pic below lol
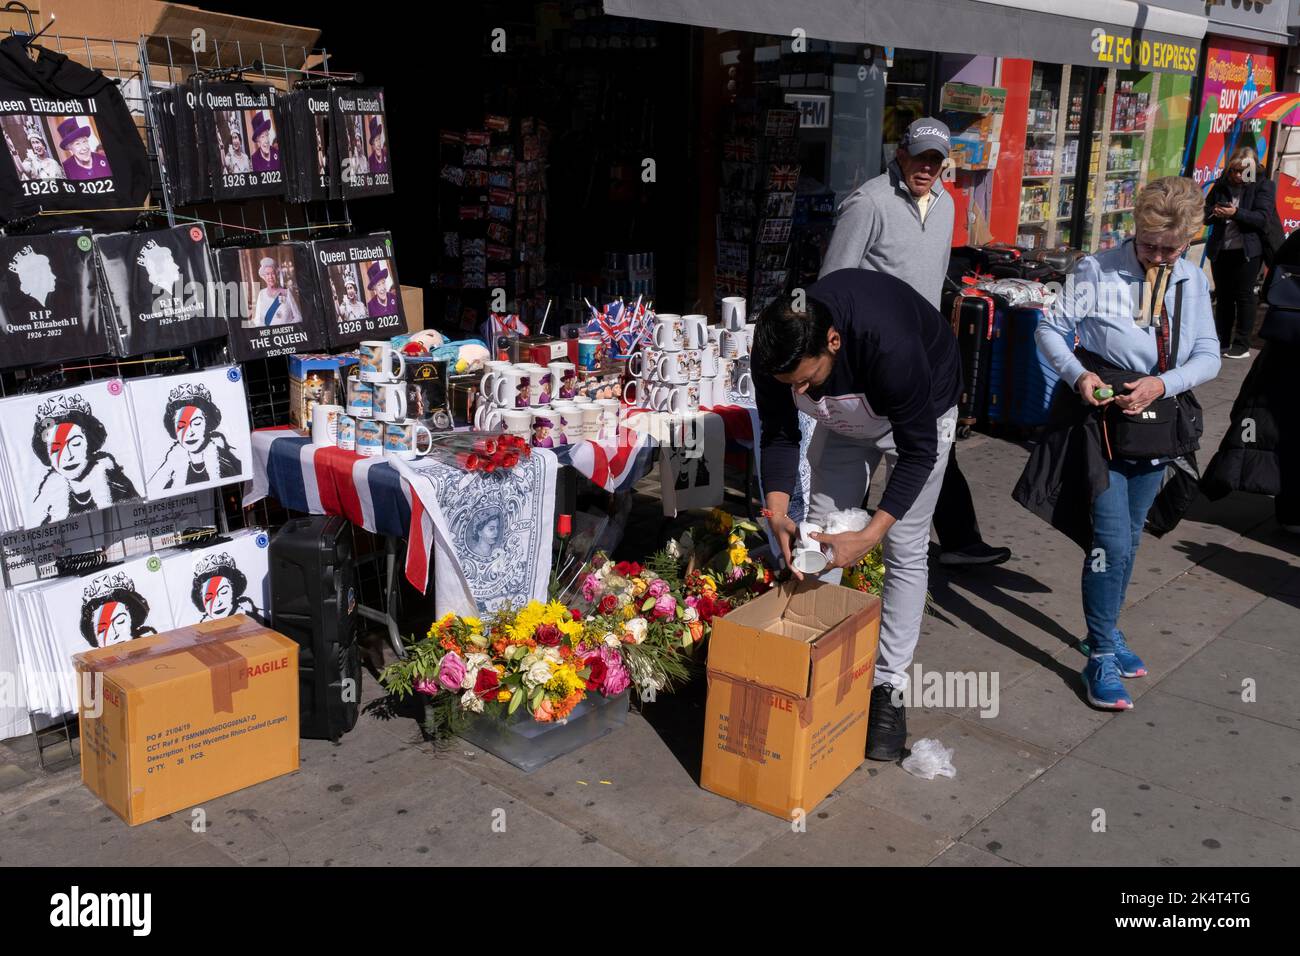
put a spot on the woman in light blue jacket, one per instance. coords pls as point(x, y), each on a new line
point(1102, 304)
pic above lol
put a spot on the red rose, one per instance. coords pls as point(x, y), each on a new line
point(608, 604)
point(598, 668)
point(487, 681)
point(575, 614)
point(628, 569)
point(548, 635)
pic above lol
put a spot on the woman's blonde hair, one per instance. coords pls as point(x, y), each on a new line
point(1243, 152)
point(1171, 204)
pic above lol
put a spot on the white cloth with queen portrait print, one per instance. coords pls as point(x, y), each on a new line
point(492, 534)
point(68, 452)
point(66, 616)
point(219, 580)
point(192, 430)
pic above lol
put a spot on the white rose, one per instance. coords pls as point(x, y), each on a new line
point(552, 654)
point(473, 664)
point(538, 673)
point(637, 628)
point(674, 550)
point(472, 702)
point(610, 639)
point(690, 614)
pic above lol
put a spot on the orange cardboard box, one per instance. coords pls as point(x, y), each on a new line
point(170, 721)
point(789, 688)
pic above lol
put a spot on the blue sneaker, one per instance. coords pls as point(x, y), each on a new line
point(1130, 665)
point(1101, 681)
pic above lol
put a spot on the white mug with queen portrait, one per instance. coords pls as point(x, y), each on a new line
point(380, 362)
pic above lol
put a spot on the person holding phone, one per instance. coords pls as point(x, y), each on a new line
point(1241, 211)
point(1116, 327)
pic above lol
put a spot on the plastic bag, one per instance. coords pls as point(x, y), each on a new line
point(929, 759)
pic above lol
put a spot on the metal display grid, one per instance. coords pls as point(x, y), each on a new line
point(156, 61)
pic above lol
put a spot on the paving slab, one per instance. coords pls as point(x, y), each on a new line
point(964, 855)
point(1272, 623)
point(1209, 752)
point(1219, 673)
point(1051, 823)
point(848, 832)
point(990, 769)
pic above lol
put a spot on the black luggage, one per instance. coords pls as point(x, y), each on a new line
point(313, 601)
point(975, 321)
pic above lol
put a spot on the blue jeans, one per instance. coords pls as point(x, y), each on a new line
point(1118, 515)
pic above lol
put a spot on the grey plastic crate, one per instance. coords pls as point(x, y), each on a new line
point(527, 744)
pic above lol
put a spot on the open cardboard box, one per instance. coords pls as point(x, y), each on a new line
point(790, 677)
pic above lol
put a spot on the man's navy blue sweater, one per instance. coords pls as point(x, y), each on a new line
point(898, 353)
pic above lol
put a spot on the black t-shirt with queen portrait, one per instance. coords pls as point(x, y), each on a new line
point(275, 308)
point(71, 142)
point(242, 128)
point(158, 288)
point(360, 127)
point(359, 290)
point(49, 311)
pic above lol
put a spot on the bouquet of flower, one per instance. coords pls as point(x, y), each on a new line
point(646, 599)
point(721, 553)
point(868, 573)
point(543, 659)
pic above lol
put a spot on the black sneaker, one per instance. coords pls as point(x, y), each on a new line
point(1237, 352)
point(974, 554)
point(886, 725)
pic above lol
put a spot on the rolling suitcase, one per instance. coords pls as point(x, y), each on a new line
point(975, 322)
point(313, 601)
point(1028, 379)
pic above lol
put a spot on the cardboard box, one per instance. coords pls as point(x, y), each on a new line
point(316, 380)
point(413, 307)
point(790, 678)
point(172, 720)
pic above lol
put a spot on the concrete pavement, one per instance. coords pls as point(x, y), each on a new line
point(1197, 773)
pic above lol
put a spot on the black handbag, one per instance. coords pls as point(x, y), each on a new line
point(1170, 427)
point(1282, 320)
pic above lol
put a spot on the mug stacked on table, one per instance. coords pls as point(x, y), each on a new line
point(377, 407)
point(686, 364)
point(543, 404)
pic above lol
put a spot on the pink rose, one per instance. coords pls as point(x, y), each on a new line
point(426, 685)
point(590, 588)
point(658, 587)
point(617, 678)
point(665, 606)
point(451, 672)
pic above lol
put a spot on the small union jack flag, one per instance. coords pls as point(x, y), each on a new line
point(782, 178)
point(740, 150)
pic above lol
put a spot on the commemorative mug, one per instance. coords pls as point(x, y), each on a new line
point(568, 422)
point(709, 356)
point(361, 398)
point(347, 433)
point(673, 368)
point(517, 421)
point(667, 332)
point(325, 424)
point(390, 402)
point(377, 362)
point(589, 354)
point(407, 439)
point(642, 362)
point(542, 427)
point(484, 420)
point(370, 438)
point(591, 416)
point(694, 363)
point(539, 383)
point(733, 312)
point(639, 387)
point(695, 331)
point(508, 387)
point(564, 380)
point(733, 343)
point(708, 391)
point(668, 398)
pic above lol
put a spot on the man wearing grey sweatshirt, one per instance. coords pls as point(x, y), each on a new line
point(901, 223)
